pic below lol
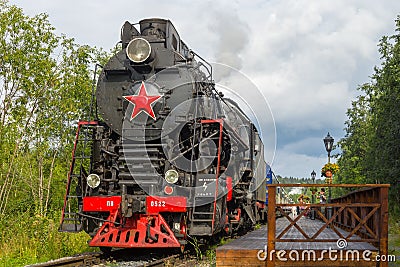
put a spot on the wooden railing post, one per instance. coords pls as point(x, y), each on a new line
point(271, 225)
point(384, 222)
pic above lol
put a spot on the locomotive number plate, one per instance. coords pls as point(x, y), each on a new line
point(101, 203)
point(155, 203)
point(163, 204)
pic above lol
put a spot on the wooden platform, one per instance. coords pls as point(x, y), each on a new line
point(244, 250)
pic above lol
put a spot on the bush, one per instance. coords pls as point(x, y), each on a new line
point(27, 239)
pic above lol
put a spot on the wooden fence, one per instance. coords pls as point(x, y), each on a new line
point(362, 213)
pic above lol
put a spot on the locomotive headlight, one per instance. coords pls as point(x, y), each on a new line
point(171, 176)
point(93, 180)
point(138, 50)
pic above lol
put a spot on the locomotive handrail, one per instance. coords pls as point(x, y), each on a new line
point(92, 99)
point(202, 59)
point(365, 208)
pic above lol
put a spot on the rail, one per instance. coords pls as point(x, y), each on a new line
point(362, 213)
point(88, 259)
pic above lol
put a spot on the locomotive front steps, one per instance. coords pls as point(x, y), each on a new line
point(70, 227)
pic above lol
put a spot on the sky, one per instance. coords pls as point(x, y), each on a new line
point(306, 57)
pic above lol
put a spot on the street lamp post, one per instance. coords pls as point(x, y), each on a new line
point(313, 174)
point(328, 141)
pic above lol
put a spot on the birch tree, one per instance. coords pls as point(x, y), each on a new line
point(45, 88)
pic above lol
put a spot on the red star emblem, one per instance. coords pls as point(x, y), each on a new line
point(142, 102)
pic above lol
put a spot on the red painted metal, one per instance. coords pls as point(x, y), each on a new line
point(71, 167)
point(168, 190)
point(237, 216)
point(229, 188)
point(138, 231)
point(227, 224)
point(154, 205)
point(212, 121)
point(100, 204)
point(260, 205)
point(87, 123)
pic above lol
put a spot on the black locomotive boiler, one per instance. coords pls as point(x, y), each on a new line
point(165, 156)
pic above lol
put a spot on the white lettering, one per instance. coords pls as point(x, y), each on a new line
point(155, 203)
point(281, 255)
point(291, 255)
point(331, 257)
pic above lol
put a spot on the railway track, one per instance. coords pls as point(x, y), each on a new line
point(155, 260)
point(87, 259)
point(100, 260)
point(130, 258)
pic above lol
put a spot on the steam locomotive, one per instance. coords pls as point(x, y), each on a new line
point(165, 156)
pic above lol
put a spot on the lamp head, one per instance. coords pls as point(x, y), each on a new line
point(328, 141)
point(313, 174)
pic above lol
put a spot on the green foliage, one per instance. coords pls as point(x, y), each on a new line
point(332, 167)
point(211, 256)
point(197, 247)
point(45, 88)
point(371, 146)
point(210, 253)
point(26, 239)
point(313, 189)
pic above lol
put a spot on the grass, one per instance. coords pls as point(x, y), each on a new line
point(257, 226)
point(210, 254)
point(28, 240)
point(394, 236)
point(206, 257)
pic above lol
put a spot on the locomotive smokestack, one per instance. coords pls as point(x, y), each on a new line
point(153, 26)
